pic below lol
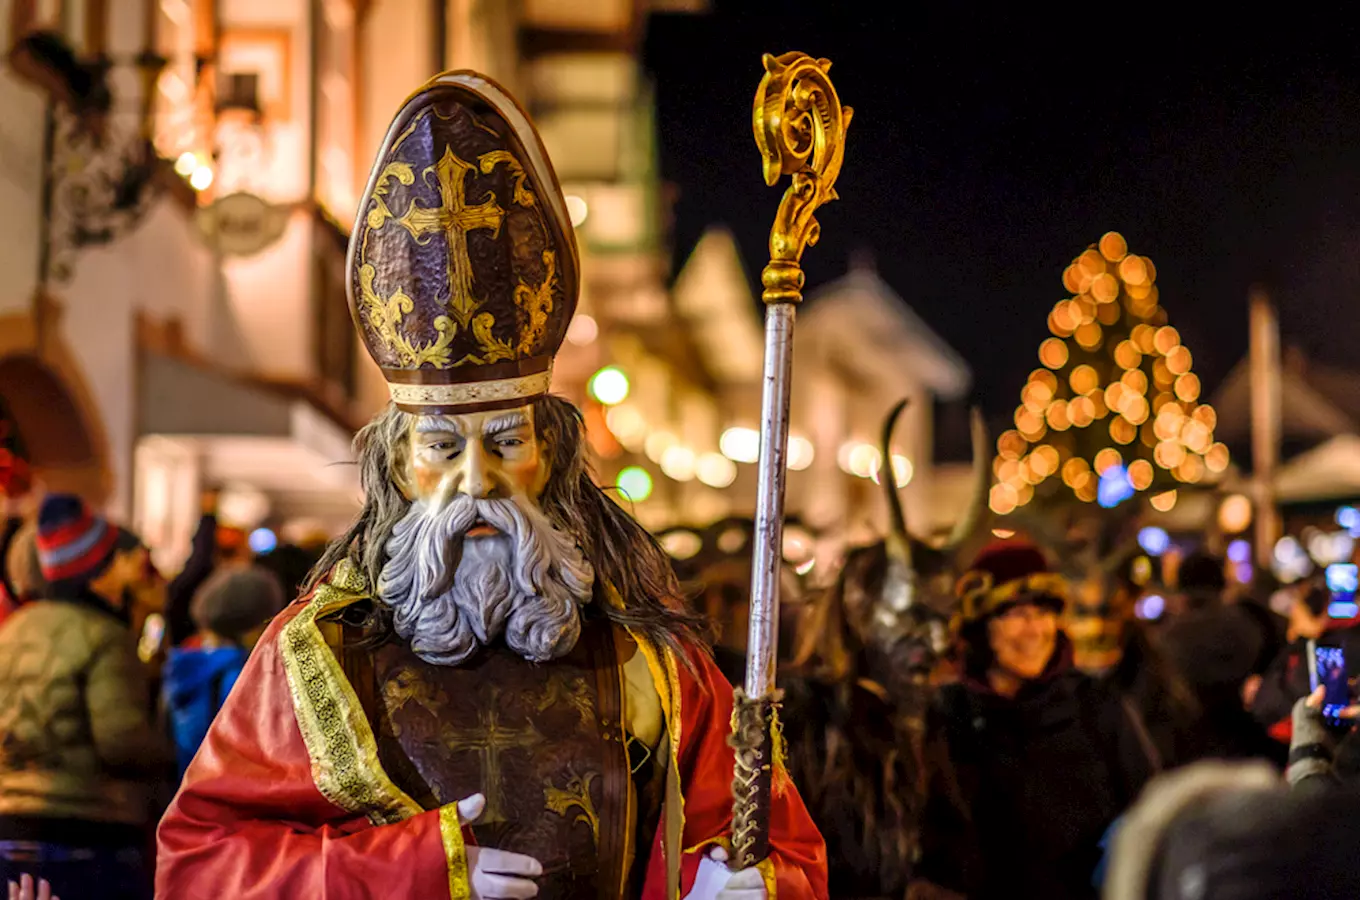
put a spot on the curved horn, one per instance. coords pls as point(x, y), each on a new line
point(899, 541)
point(975, 516)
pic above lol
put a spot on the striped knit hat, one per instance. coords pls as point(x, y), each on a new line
point(74, 544)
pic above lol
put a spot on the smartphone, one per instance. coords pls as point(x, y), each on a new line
point(1342, 581)
point(1329, 671)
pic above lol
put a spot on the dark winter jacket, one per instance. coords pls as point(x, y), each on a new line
point(1022, 789)
point(197, 681)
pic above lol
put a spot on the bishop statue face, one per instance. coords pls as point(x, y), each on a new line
point(475, 559)
point(481, 455)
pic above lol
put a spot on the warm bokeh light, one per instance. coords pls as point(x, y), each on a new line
point(1053, 353)
point(801, 452)
point(583, 330)
point(1089, 336)
point(1216, 459)
point(628, 425)
point(1106, 458)
point(577, 209)
point(1083, 379)
point(678, 462)
point(715, 470)
point(1234, 514)
point(201, 178)
point(1113, 246)
point(740, 445)
point(1140, 474)
point(1163, 502)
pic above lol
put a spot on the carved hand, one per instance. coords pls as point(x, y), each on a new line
point(715, 881)
point(496, 874)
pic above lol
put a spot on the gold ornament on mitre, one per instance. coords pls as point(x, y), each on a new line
point(462, 266)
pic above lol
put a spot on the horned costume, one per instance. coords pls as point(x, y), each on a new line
point(579, 702)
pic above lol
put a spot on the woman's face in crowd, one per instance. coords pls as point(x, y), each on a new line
point(1023, 640)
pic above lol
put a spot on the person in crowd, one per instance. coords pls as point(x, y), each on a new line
point(231, 610)
point(214, 544)
point(290, 563)
point(1287, 680)
point(77, 745)
point(1216, 647)
point(1029, 760)
point(1220, 830)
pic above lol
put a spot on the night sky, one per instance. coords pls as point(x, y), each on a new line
point(987, 151)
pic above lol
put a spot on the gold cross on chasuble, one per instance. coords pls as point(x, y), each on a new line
point(488, 739)
point(455, 217)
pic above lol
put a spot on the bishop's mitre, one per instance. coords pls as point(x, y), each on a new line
point(462, 265)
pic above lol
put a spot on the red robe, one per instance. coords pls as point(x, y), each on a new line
point(286, 797)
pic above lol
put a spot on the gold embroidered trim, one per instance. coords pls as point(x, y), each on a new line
point(340, 742)
point(520, 387)
point(451, 833)
point(666, 678)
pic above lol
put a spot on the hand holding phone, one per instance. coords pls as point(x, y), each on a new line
point(1328, 671)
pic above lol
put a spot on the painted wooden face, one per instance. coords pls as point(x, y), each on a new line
point(484, 455)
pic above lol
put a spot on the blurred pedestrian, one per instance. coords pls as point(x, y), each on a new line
point(1288, 678)
point(231, 610)
point(1216, 647)
point(1029, 759)
point(1233, 831)
point(77, 745)
point(214, 544)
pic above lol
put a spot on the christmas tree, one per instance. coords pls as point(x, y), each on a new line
point(1113, 411)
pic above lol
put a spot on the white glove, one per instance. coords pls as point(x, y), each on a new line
point(714, 881)
point(496, 874)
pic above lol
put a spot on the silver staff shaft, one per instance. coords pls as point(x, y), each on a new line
point(762, 648)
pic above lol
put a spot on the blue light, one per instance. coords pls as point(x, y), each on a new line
point(1114, 487)
point(262, 540)
point(1154, 540)
point(1150, 607)
point(1239, 551)
point(1348, 517)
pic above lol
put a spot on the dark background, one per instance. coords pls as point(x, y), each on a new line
point(987, 150)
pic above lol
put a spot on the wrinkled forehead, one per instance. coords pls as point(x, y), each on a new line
point(476, 425)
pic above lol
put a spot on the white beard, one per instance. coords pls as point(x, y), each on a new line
point(451, 595)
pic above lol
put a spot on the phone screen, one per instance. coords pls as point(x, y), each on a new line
point(1330, 663)
point(1342, 581)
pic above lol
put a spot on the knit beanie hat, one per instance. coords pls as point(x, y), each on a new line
point(75, 546)
point(1006, 573)
point(236, 599)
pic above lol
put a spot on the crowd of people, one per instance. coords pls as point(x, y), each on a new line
point(110, 676)
point(1158, 774)
point(1017, 770)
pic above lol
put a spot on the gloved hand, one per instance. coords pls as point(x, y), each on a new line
point(715, 881)
point(496, 874)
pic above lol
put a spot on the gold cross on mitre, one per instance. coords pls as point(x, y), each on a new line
point(455, 217)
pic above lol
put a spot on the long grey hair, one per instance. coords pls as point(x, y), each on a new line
point(622, 553)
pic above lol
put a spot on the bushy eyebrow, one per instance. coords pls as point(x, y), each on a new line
point(437, 425)
point(507, 422)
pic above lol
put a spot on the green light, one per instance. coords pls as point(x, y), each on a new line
point(635, 484)
point(609, 385)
